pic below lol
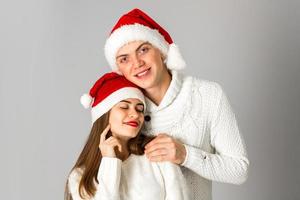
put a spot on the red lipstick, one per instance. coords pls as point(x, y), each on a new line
point(132, 123)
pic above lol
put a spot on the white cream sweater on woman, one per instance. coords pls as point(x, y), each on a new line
point(197, 112)
point(134, 179)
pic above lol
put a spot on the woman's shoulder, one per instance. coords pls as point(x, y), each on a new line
point(75, 175)
point(133, 158)
point(74, 180)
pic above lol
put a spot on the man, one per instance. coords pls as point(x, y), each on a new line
point(192, 118)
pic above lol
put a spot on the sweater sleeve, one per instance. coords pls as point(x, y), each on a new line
point(174, 182)
point(109, 174)
point(229, 163)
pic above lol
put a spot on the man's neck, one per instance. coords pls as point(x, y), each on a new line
point(156, 94)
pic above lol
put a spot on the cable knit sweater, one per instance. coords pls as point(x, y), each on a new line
point(134, 178)
point(198, 113)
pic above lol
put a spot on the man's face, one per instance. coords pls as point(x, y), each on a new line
point(142, 64)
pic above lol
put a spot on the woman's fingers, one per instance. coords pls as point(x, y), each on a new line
point(114, 142)
point(110, 140)
point(107, 145)
point(104, 133)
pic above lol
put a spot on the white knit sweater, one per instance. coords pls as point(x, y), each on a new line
point(198, 113)
point(135, 178)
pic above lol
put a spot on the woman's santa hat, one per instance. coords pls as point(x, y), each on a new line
point(137, 25)
point(109, 90)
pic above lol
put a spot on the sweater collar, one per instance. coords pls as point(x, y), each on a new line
point(170, 95)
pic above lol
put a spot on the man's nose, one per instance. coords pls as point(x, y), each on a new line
point(137, 62)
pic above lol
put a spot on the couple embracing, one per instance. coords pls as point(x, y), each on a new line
point(156, 134)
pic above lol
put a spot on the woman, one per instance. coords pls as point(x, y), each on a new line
point(112, 164)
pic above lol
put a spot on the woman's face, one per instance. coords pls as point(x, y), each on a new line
point(126, 118)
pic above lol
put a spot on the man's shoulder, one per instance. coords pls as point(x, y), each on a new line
point(203, 85)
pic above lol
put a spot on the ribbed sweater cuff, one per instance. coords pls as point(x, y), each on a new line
point(194, 157)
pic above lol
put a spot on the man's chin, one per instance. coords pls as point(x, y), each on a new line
point(141, 83)
point(144, 85)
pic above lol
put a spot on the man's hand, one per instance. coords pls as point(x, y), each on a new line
point(165, 148)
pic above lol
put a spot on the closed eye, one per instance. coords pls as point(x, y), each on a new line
point(139, 108)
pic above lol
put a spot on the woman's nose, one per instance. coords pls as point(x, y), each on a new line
point(133, 114)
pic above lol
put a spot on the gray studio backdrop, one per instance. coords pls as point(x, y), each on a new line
point(52, 51)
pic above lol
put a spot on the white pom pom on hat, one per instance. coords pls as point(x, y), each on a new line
point(86, 101)
point(174, 59)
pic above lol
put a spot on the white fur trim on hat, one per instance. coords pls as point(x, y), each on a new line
point(106, 104)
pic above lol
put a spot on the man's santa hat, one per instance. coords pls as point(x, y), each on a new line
point(137, 25)
point(109, 90)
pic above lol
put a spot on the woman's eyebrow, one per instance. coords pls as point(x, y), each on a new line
point(138, 104)
point(125, 101)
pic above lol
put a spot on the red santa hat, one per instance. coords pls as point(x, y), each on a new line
point(137, 25)
point(109, 90)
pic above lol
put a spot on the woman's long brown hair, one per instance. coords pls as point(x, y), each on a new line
point(90, 158)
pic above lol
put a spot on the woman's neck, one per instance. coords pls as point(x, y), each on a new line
point(124, 153)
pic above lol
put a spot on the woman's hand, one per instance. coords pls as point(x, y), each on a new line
point(107, 146)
